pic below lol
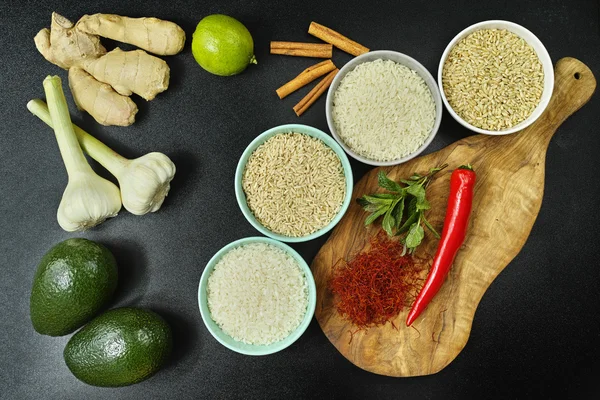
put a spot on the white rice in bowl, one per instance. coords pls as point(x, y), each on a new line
point(383, 110)
point(257, 294)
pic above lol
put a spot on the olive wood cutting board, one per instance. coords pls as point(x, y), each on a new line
point(507, 198)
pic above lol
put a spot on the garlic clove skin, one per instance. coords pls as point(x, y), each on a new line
point(145, 183)
point(87, 201)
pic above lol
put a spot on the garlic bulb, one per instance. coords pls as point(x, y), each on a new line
point(88, 199)
point(144, 181)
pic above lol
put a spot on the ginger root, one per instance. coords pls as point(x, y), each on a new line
point(151, 34)
point(65, 45)
point(100, 81)
point(100, 100)
point(131, 72)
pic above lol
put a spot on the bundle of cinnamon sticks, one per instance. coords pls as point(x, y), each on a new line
point(317, 50)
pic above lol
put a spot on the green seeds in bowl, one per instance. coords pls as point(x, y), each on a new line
point(493, 79)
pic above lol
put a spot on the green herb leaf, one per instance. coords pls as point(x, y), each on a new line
point(362, 202)
point(387, 183)
point(418, 191)
point(423, 204)
point(394, 209)
point(412, 206)
point(430, 227)
point(376, 214)
point(412, 218)
point(384, 196)
point(398, 212)
point(388, 223)
point(378, 200)
point(415, 235)
point(373, 207)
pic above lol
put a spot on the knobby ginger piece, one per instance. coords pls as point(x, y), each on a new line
point(100, 100)
point(131, 72)
point(66, 46)
point(152, 34)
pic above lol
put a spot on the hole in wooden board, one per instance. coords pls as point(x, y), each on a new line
point(576, 75)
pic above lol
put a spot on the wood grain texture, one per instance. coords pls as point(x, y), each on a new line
point(508, 196)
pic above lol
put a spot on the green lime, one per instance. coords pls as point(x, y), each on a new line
point(222, 45)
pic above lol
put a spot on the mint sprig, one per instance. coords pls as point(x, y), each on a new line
point(402, 208)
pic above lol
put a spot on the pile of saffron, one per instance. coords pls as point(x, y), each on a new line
point(376, 285)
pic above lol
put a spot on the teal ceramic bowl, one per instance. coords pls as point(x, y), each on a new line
point(248, 349)
point(263, 137)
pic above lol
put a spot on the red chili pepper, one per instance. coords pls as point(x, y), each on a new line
point(460, 200)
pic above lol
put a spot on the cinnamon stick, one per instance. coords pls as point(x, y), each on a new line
point(315, 93)
point(336, 39)
point(307, 76)
point(318, 50)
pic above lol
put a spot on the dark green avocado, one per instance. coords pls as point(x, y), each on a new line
point(74, 281)
point(120, 347)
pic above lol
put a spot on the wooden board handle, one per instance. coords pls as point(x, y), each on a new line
point(574, 85)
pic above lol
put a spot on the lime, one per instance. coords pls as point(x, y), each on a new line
point(222, 45)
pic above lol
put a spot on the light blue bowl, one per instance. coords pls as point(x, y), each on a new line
point(263, 137)
point(228, 341)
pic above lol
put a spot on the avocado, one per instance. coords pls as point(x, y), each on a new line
point(74, 281)
point(121, 347)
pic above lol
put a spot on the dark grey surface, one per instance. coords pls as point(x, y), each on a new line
point(536, 331)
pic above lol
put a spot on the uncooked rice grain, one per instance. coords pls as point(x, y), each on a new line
point(493, 79)
point(383, 110)
point(294, 184)
point(257, 294)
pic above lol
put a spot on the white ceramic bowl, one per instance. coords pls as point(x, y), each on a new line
point(542, 53)
point(400, 59)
